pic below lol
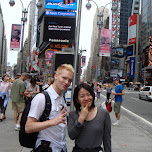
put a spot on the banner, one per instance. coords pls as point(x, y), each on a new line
point(132, 29)
point(132, 67)
point(105, 44)
point(83, 61)
point(15, 37)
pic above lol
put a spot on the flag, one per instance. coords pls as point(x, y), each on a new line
point(68, 1)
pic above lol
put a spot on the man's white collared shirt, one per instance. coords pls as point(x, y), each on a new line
point(54, 134)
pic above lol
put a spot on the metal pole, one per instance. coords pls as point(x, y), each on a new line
point(76, 51)
point(137, 56)
point(21, 70)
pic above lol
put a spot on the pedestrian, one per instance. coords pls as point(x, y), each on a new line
point(108, 91)
point(39, 81)
point(51, 132)
point(119, 91)
point(18, 75)
point(88, 125)
point(50, 81)
point(17, 97)
point(98, 90)
point(5, 85)
point(31, 90)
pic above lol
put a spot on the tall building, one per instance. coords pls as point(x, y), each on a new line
point(94, 44)
point(119, 35)
point(146, 31)
point(120, 21)
point(3, 46)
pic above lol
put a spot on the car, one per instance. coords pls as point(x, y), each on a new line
point(68, 95)
point(146, 93)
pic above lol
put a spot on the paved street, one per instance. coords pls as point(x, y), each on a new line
point(128, 137)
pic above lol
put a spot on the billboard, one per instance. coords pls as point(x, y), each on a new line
point(117, 52)
point(48, 54)
point(59, 5)
point(130, 50)
point(15, 37)
point(59, 29)
point(132, 29)
point(132, 67)
point(105, 44)
point(115, 62)
point(116, 73)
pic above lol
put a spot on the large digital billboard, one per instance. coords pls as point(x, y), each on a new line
point(59, 29)
point(117, 52)
point(59, 5)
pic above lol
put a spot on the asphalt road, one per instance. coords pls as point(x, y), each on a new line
point(140, 107)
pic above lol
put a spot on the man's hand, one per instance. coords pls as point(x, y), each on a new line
point(61, 117)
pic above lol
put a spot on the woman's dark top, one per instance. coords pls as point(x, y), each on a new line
point(91, 133)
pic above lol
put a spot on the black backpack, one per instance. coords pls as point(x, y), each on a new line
point(29, 140)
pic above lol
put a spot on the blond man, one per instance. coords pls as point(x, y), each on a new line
point(52, 131)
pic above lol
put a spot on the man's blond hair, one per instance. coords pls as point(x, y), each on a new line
point(68, 67)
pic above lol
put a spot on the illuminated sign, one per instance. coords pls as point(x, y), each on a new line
point(59, 29)
point(117, 52)
point(59, 4)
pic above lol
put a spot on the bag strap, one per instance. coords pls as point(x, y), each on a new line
point(48, 107)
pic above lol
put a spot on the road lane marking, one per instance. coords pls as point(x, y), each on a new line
point(135, 98)
point(149, 123)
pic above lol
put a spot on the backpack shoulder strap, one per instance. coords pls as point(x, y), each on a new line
point(48, 107)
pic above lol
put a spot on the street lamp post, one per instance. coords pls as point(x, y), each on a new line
point(24, 20)
point(99, 24)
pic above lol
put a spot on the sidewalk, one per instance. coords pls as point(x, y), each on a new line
point(127, 137)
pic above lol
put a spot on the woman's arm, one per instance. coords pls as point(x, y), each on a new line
point(74, 127)
point(107, 133)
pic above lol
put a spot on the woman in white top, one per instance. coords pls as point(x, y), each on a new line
point(31, 90)
point(5, 85)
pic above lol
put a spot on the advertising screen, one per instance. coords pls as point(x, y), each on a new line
point(117, 52)
point(59, 5)
point(130, 50)
point(115, 62)
point(59, 29)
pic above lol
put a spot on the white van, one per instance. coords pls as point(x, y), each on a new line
point(146, 93)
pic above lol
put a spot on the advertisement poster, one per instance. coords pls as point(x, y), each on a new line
point(48, 54)
point(132, 67)
point(105, 44)
point(83, 61)
point(15, 37)
point(132, 29)
point(61, 4)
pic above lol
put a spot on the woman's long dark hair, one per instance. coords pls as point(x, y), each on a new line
point(75, 96)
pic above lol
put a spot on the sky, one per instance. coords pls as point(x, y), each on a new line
point(12, 15)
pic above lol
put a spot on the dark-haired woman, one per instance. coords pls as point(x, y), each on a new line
point(5, 85)
point(31, 90)
point(88, 125)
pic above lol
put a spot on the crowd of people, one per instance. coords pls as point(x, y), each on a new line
point(89, 126)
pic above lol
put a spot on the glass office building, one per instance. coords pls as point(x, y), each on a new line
point(120, 21)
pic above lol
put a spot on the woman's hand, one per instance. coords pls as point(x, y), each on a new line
point(84, 113)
